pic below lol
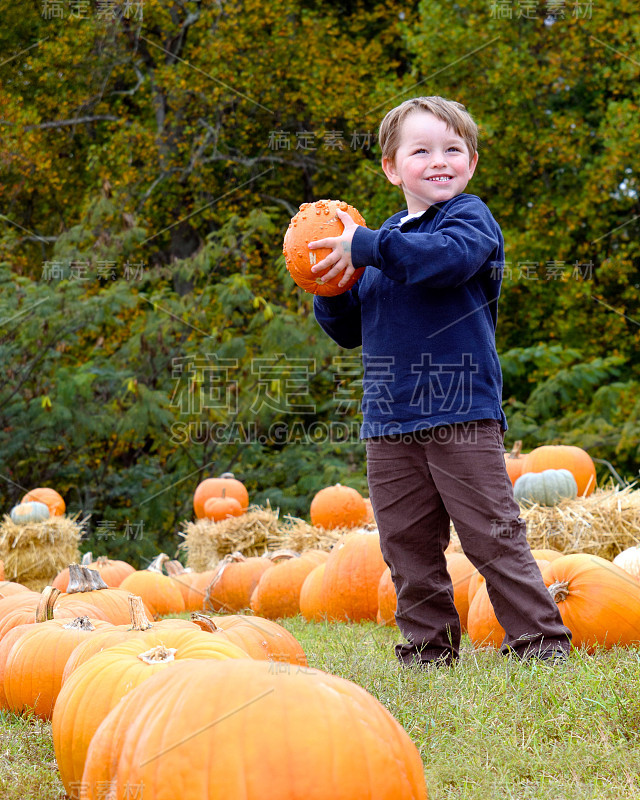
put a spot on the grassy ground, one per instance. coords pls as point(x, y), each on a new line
point(489, 727)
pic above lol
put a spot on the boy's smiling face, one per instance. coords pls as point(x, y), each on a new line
point(432, 163)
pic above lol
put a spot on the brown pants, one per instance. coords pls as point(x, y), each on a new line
point(418, 483)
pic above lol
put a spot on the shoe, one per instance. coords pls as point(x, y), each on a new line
point(426, 663)
point(556, 655)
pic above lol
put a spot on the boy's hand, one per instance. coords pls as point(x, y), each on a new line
point(340, 257)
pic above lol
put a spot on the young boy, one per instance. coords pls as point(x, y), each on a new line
point(425, 313)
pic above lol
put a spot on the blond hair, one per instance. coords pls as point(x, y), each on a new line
point(454, 114)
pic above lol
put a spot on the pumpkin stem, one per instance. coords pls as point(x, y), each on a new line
point(559, 590)
point(79, 624)
point(83, 579)
point(102, 561)
point(517, 447)
point(44, 610)
point(87, 559)
point(204, 622)
point(158, 655)
point(139, 621)
point(283, 555)
point(158, 561)
point(173, 568)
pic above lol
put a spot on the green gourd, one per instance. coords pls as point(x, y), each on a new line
point(547, 488)
point(24, 513)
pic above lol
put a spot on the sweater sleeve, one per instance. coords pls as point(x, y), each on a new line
point(340, 317)
point(459, 247)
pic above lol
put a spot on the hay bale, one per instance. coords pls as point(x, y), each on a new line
point(255, 533)
point(34, 554)
point(603, 524)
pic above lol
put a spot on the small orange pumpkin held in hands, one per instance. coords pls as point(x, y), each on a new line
point(312, 222)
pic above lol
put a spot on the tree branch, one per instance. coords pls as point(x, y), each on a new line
point(65, 123)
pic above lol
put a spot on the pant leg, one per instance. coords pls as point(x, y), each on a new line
point(467, 464)
point(414, 532)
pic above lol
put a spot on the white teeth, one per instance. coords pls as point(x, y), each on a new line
point(439, 179)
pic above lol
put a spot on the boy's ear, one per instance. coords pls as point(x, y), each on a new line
point(390, 171)
point(472, 165)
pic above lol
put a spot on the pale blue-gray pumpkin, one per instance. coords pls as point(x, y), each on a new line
point(24, 513)
point(547, 488)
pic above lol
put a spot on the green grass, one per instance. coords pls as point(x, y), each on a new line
point(488, 727)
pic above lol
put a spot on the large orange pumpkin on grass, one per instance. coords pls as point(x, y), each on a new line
point(352, 576)
point(560, 456)
point(224, 486)
point(49, 497)
point(599, 602)
point(96, 686)
point(312, 222)
point(291, 735)
point(338, 506)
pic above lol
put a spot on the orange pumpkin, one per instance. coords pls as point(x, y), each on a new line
point(311, 597)
point(338, 507)
point(33, 667)
point(387, 599)
point(119, 634)
point(160, 593)
point(2, 575)
point(461, 571)
point(97, 685)
point(86, 585)
point(277, 593)
point(39, 608)
point(233, 581)
point(219, 508)
point(598, 601)
point(514, 461)
point(312, 222)
point(224, 486)
point(482, 624)
point(49, 497)
point(328, 738)
point(371, 519)
point(9, 588)
point(575, 459)
point(112, 572)
point(261, 638)
point(351, 577)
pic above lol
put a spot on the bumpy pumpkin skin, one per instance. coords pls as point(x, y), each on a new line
point(312, 222)
point(547, 488)
point(328, 738)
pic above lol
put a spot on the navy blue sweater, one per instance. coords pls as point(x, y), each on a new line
point(425, 312)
